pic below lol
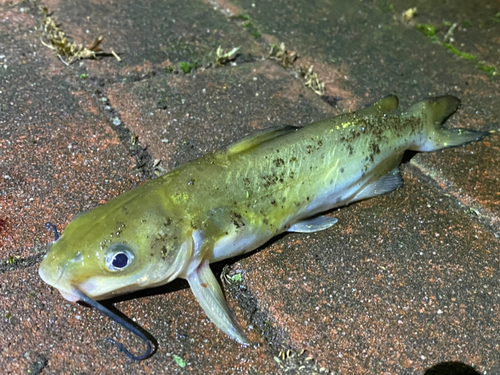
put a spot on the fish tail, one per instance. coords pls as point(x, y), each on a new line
point(433, 113)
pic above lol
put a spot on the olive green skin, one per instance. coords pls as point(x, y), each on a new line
point(232, 201)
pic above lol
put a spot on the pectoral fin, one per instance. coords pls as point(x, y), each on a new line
point(391, 181)
point(209, 294)
point(313, 225)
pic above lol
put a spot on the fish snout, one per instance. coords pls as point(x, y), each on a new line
point(52, 272)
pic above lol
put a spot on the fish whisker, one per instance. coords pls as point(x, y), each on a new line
point(127, 325)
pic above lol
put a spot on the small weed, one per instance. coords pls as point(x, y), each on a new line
point(236, 278)
point(409, 14)
point(490, 69)
point(224, 57)
point(428, 30)
point(463, 55)
point(180, 362)
point(186, 67)
point(285, 58)
point(67, 51)
point(312, 81)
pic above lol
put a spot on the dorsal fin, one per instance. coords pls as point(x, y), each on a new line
point(384, 106)
point(259, 138)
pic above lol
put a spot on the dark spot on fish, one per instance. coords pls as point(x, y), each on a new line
point(309, 149)
point(168, 222)
point(125, 210)
point(143, 221)
point(331, 181)
point(191, 182)
point(270, 180)
point(375, 149)
point(293, 160)
point(279, 162)
point(151, 255)
point(307, 199)
point(320, 143)
point(341, 170)
point(265, 221)
point(278, 151)
point(273, 202)
point(283, 200)
point(246, 180)
point(204, 285)
point(236, 219)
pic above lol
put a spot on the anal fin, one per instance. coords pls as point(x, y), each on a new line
point(209, 294)
point(313, 225)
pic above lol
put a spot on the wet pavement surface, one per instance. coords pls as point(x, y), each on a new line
point(405, 283)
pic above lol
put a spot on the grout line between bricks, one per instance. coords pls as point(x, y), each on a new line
point(480, 214)
point(19, 264)
point(286, 357)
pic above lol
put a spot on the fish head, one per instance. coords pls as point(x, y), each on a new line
point(120, 247)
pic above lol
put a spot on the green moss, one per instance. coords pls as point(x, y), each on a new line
point(463, 55)
point(84, 76)
point(490, 69)
point(186, 67)
point(256, 34)
point(466, 23)
point(428, 30)
point(244, 17)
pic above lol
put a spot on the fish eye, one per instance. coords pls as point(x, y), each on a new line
point(118, 257)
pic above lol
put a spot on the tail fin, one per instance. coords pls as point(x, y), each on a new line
point(433, 113)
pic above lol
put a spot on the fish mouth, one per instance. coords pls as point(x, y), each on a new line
point(48, 278)
point(54, 278)
point(70, 296)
